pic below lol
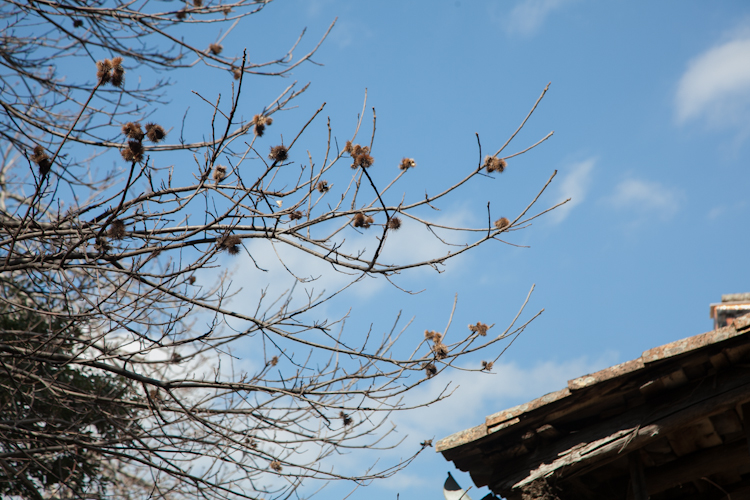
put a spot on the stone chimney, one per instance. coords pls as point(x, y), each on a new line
point(733, 306)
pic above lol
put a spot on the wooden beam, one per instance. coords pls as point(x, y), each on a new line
point(606, 441)
point(741, 491)
point(580, 489)
point(637, 476)
point(699, 464)
point(746, 422)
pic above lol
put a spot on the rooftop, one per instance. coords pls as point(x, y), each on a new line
point(674, 402)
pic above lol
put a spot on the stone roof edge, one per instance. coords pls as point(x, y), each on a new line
point(497, 420)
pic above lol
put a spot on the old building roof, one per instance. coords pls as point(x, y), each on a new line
point(674, 412)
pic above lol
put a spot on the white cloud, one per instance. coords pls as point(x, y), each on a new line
point(410, 244)
point(408, 478)
point(476, 395)
point(716, 212)
point(726, 210)
point(529, 15)
point(415, 243)
point(483, 394)
point(646, 198)
point(574, 185)
point(716, 85)
point(316, 7)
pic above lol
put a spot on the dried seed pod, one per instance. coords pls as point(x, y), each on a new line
point(133, 152)
point(118, 72)
point(394, 223)
point(215, 48)
point(322, 186)
point(362, 220)
point(136, 147)
point(479, 328)
point(296, 215)
point(279, 153)
point(260, 123)
point(494, 164)
point(430, 370)
point(155, 133)
point(440, 350)
point(45, 165)
point(230, 243)
point(502, 223)
point(346, 418)
point(407, 163)
point(220, 172)
point(116, 230)
point(103, 71)
point(101, 245)
point(360, 155)
point(41, 158)
point(433, 335)
point(276, 465)
point(133, 131)
point(363, 160)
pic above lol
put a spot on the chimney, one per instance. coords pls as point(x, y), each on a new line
point(733, 306)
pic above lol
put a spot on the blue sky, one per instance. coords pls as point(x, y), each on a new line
point(649, 104)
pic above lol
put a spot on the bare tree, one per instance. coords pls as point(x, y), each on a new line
point(117, 330)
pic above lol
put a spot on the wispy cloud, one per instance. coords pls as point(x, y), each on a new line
point(528, 15)
point(283, 266)
point(508, 385)
point(575, 185)
point(716, 85)
point(317, 7)
point(646, 198)
point(475, 395)
point(726, 210)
